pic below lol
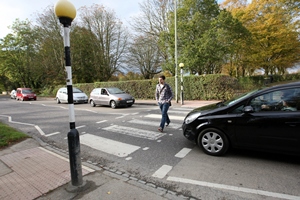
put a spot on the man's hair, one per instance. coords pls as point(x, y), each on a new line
point(163, 77)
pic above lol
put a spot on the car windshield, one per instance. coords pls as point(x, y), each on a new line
point(76, 90)
point(115, 91)
point(26, 91)
point(238, 98)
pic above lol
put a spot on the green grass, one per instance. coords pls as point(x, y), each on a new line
point(9, 135)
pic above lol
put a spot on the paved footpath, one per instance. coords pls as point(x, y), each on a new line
point(34, 170)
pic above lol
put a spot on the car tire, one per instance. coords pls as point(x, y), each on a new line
point(58, 101)
point(113, 104)
point(92, 103)
point(213, 142)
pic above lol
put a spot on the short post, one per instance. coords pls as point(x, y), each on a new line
point(181, 65)
point(66, 12)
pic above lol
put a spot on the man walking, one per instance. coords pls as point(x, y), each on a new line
point(163, 96)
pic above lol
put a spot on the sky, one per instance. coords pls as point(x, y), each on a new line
point(26, 9)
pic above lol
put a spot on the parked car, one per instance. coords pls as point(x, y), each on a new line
point(78, 96)
point(258, 120)
point(25, 94)
point(113, 97)
point(13, 94)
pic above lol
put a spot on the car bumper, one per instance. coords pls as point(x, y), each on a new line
point(80, 101)
point(125, 102)
point(188, 132)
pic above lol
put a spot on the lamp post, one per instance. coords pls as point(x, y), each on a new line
point(176, 68)
point(66, 12)
point(181, 65)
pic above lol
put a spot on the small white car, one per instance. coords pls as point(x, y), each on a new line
point(78, 96)
point(13, 94)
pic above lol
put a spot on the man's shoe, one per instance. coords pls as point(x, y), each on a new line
point(168, 124)
point(160, 129)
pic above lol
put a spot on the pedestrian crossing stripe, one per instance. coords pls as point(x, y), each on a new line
point(152, 123)
point(151, 135)
point(172, 117)
point(109, 146)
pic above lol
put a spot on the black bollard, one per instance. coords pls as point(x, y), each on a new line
point(74, 157)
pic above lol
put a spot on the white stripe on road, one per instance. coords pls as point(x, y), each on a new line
point(151, 135)
point(162, 171)
point(55, 133)
point(101, 121)
point(233, 188)
point(108, 146)
point(78, 127)
point(152, 123)
point(172, 117)
point(35, 126)
point(178, 111)
point(39, 130)
point(183, 153)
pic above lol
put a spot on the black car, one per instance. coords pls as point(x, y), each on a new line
point(267, 119)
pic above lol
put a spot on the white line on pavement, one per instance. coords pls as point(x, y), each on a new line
point(55, 133)
point(108, 146)
point(233, 188)
point(157, 116)
point(152, 123)
point(151, 135)
point(162, 171)
point(183, 153)
point(101, 121)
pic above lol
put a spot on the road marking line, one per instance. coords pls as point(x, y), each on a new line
point(108, 146)
point(151, 135)
point(39, 130)
point(35, 126)
point(78, 127)
point(101, 121)
point(152, 123)
point(162, 171)
point(183, 153)
point(233, 188)
point(55, 133)
point(172, 117)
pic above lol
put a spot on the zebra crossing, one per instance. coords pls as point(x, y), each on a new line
point(129, 128)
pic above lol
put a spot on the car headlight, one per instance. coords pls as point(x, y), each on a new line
point(189, 119)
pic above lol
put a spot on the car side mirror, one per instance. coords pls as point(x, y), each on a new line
point(248, 109)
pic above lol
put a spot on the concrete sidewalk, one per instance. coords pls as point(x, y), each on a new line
point(34, 170)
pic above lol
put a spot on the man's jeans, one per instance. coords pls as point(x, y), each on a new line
point(164, 112)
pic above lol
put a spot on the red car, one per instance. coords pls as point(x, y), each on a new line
point(25, 94)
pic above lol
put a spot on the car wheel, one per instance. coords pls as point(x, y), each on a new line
point(113, 104)
point(57, 100)
point(213, 142)
point(92, 103)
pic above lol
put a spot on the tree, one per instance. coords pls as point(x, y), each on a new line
point(152, 22)
point(145, 55)
point(110, 40)
point(206, 36)
point(274, 28)
point(19, 55)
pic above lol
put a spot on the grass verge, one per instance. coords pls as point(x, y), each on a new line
point(9, 135)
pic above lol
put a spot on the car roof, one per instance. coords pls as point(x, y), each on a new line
point(281, 86)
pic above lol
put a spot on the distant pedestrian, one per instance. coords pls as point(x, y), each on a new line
point(163, 96)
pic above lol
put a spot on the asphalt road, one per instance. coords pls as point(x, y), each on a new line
point(127, 139)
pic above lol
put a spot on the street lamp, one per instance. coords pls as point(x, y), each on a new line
point(181, 65)
point(66, 12)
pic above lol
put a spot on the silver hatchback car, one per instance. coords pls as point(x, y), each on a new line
point(78, 96)
point(113, 97)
